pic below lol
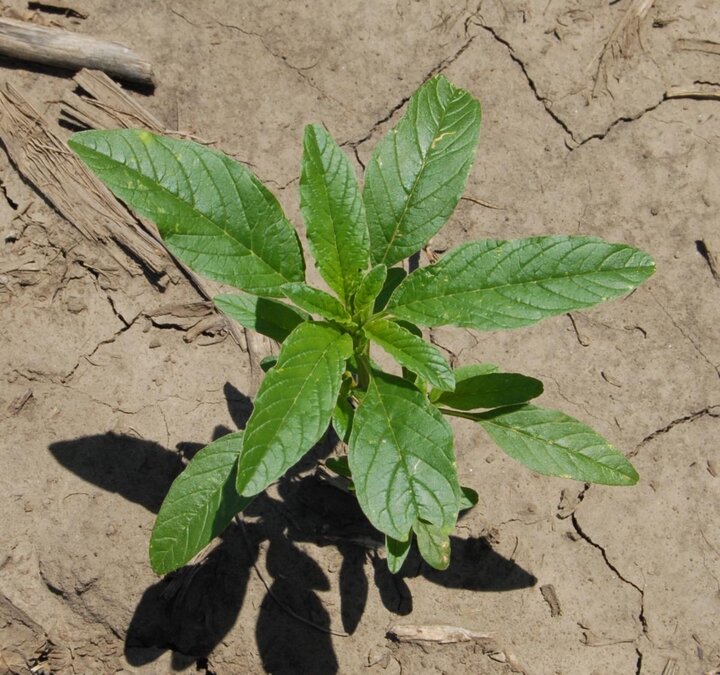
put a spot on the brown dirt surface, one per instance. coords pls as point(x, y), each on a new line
point(599, 119)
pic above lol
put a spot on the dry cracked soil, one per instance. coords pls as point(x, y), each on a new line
point(600, 118)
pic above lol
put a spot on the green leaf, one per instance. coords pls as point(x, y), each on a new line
point(401, 458)
point(269, 317)
point(367, 292)
point(468, 498)
point(268, 362)
point(342, 416)
point(466, 372)
point(397, 552)
point(339, 465)
point(315, 301)
point(552, 443)
point(199, 506)
point(212, 213)
point(395, 275)
point(488, 285)
point(409, 326)
point(493, 390)
point(334, 213)
point(293, 405)
point(417, 173)
point(433, 544)
point(411, 352)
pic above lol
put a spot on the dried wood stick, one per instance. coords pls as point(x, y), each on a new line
point(64, 49)
point(108, 106)
point(701, 93)
point(441, 634)
point(693, 45)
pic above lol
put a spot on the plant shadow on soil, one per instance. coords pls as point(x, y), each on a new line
point(191, 610)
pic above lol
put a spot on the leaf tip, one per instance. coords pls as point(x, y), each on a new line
point(632, 476)
point(158, 562)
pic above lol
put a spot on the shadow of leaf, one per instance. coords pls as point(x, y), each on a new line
point(139, 470)
point(190, 611)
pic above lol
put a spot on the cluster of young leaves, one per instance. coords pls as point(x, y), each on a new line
point(218, 218)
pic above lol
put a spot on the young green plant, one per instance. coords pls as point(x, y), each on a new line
point(219, 219)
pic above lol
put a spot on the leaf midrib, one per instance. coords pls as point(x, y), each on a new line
point(320, 358)
point(192, 207)
point(477, 290)
point(425, 160)
point(432, 366)
point(403, 461)
point(544, 441)
point(411, 479)
point(331, 213)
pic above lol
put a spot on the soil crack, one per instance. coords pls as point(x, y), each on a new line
point(86, 357)
point(299, 70)
point(476, 20)
point(11, 202)
point(547, 103)
point(377, 124)
point(626, 119)
point(710, 411)
point(96, 274)
point(641, 614)
point(435, 70)
point(687, 336)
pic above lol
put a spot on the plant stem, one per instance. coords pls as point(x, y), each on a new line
point(363, 362)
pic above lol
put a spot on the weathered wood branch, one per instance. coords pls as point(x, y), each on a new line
point(107, 106)
point(64, 49)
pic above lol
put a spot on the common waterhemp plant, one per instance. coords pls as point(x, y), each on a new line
point(220, 220)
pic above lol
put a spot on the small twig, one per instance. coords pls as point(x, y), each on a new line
point(620, 40)
point(438, 633)
point(442, 634)
point(482, 202)
point(585, 342)
point(19, 403)
point(710, 94)
point(609, 380)
point(281, 604)
point(693, 45)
